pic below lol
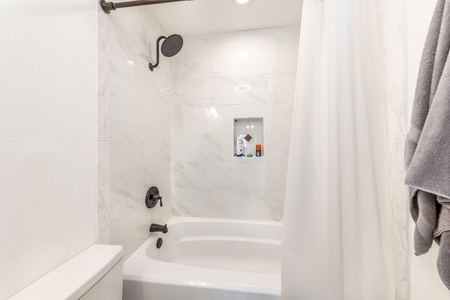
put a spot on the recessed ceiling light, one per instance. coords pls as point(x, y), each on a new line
point(241, 2)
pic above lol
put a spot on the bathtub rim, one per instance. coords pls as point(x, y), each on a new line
point(177, 219)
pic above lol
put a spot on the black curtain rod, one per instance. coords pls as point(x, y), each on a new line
point(109, 6)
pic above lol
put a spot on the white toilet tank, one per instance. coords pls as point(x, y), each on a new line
point(95, 273)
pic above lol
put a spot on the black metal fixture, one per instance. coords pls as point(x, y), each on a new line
point(109, 6)
point(170, 47)
point(152, 197)
point(159, 228)
point(159, 243)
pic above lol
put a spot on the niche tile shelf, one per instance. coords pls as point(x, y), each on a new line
point(250, 132)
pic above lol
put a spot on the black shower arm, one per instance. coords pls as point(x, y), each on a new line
point(109, 6)
point(152, 67)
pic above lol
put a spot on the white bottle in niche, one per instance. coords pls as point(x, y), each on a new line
point(240, 146)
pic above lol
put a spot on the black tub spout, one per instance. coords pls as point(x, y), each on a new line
point(159, 228)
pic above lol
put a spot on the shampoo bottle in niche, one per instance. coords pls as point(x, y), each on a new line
point(258, 150)
point(240, 146)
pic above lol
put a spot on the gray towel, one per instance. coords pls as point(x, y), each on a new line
point(443, 262)
point(427, 149)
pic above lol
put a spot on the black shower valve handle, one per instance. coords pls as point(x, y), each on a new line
point(158, 198)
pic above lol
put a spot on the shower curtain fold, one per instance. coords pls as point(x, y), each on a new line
point(336, 242)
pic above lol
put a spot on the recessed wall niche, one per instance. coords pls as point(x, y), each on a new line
point(248, 137)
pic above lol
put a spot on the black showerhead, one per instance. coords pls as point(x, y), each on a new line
point(170, 47)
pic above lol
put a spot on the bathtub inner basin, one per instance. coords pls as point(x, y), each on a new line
point(232, 253)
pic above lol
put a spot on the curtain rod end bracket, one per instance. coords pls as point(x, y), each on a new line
point(107, 6)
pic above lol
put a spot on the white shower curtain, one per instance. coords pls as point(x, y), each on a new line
point(336, 242)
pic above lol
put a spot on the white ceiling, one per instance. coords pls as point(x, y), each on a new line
point(199, 17)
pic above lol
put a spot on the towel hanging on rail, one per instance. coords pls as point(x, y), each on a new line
point(427, 149)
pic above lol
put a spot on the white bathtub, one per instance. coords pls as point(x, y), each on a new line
point(207, 259)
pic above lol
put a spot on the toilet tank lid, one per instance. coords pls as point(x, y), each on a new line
point(75, 277)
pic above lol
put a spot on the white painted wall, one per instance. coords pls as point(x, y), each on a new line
point(48, 106)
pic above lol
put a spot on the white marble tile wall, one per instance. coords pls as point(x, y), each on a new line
point(103, 130)
point(208, 180)
point(408, 22)
point(134, 127)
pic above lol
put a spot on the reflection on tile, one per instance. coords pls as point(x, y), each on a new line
point(221, 120)
point(257, 89)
